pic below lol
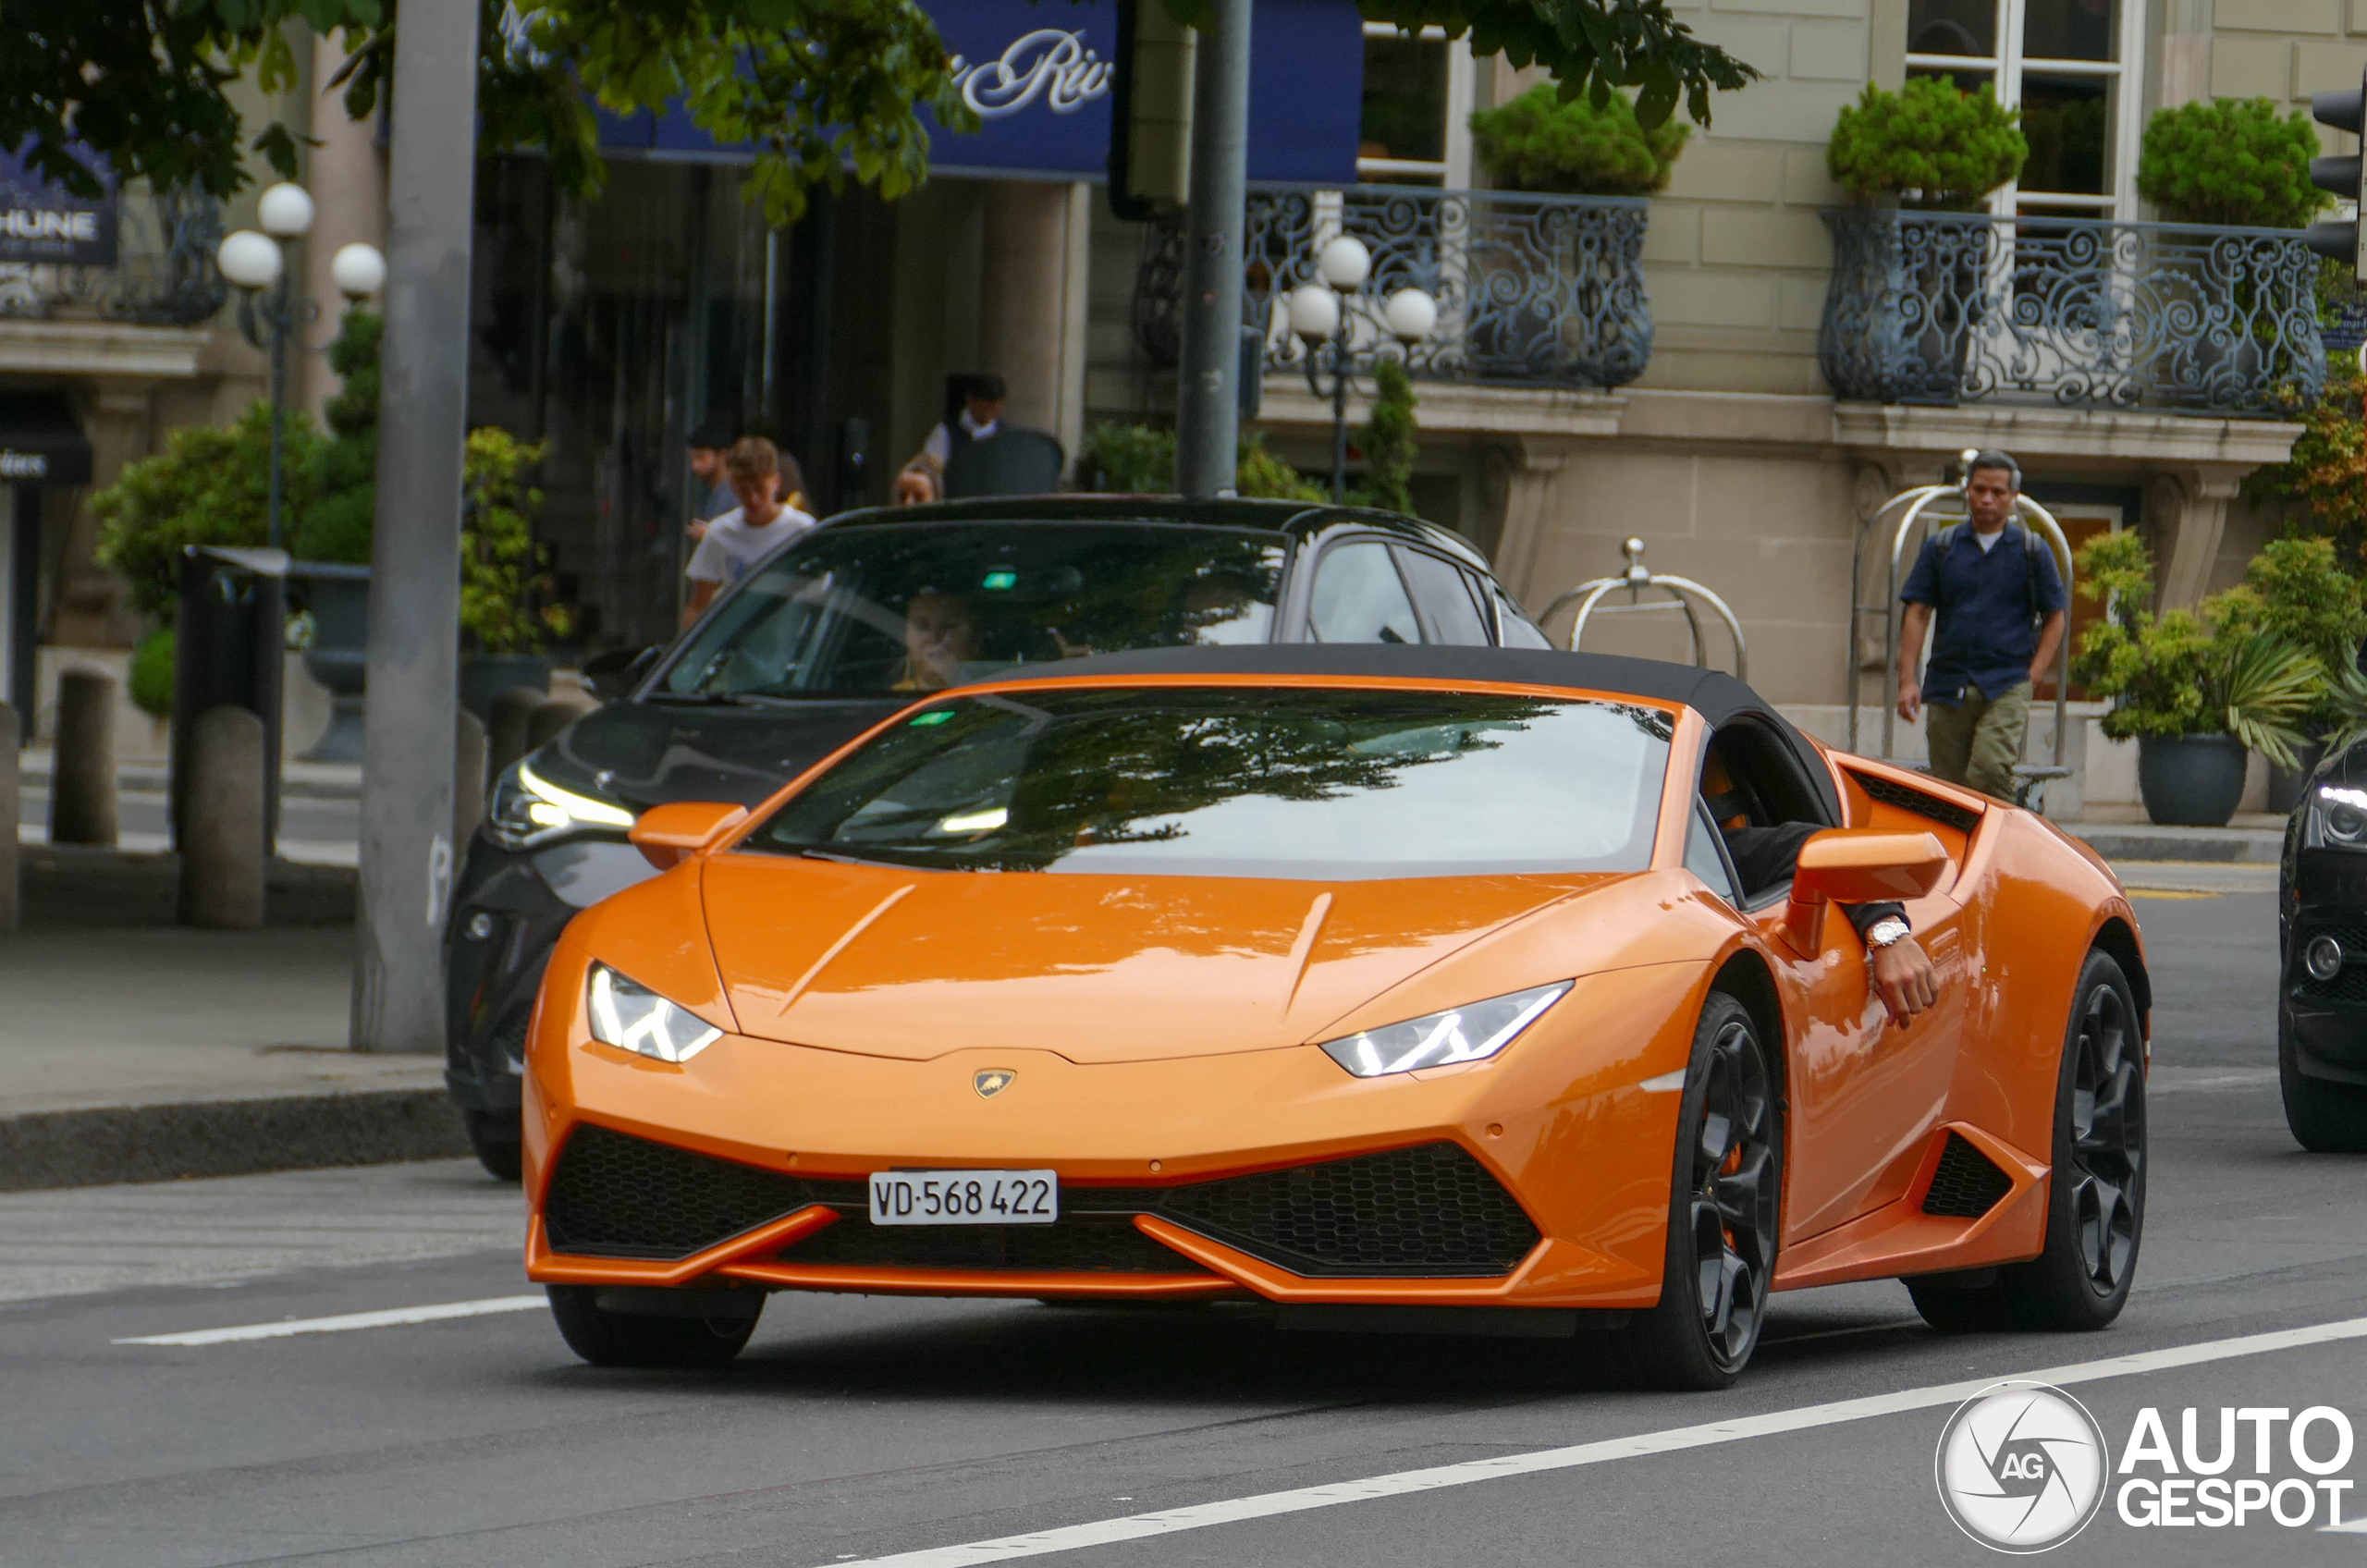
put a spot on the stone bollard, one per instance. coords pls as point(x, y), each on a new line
point(550, 716)
point(505, 729)
point(81, 777)
point(11, 805)
point(468, 782)
point(222, 846)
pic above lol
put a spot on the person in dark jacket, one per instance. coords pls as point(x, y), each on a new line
point(1994, 589)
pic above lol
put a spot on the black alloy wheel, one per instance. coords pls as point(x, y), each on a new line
point(1728, 1188)
point(2095, 1214)
point(497, 1141)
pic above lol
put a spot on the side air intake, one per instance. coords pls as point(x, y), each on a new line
point(1967, 1185)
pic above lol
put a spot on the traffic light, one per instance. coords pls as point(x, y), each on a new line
point(2342, 176)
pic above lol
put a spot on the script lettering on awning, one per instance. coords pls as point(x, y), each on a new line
point(1057, 66)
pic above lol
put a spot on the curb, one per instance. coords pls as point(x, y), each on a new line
point(168, 1141)
point(2237, 846)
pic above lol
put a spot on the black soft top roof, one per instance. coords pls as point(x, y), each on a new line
point(1715, 696)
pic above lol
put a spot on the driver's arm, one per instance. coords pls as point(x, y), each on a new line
point(1903, 975)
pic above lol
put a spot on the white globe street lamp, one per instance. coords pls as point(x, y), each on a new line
point(1319, 314)
point(1344, 263)
point(357, 270)
point(249, 260)
point(1411, 315)
point(1315, 313)
point(285, 211)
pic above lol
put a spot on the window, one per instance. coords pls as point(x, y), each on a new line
point(1319, 783)
point(1358, 598)
point(1446, 593)
point(2062, 63)
point(1706, 858)
point(1417, 101)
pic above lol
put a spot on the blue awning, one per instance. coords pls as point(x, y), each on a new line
point(1038, 75)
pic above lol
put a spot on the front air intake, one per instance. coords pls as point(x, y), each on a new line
point(1967, 1185)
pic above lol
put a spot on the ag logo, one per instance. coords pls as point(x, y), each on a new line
point(2022, 1467)
point(992, 1081)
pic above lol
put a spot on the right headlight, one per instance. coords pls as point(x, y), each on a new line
point(1441, 1039)
point(528, 809)
point(2342, 816)
point(632, 1017)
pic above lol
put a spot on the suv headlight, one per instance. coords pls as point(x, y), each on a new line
point(632, 1017)
point(528, 809)
point(2342, 816)
point(1441, 1039)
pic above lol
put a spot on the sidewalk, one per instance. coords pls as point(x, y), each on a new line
point(134, 1050)
point(304, 780)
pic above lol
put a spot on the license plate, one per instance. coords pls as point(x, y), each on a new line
point(965, 1197)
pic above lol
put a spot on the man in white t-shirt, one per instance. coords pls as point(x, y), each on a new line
point(922, 479)
point(765, 520)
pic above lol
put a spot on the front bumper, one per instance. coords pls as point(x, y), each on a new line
point(1533, 1180)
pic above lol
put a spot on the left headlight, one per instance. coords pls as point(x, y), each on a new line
point(528, 809)
point(1441, 1039)
point(2342, 816)
point(632, 1017)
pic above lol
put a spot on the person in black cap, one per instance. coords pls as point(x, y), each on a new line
point(711, 494)
point(977, 415)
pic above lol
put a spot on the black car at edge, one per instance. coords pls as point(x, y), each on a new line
point(855, 619)
point(2322, 927)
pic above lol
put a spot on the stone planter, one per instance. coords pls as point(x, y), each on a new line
point(2191, 780)
point(2289, 786)
point(338, 596)
point(484, 677)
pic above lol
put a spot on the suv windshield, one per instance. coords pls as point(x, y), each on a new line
point(1319, 783)
point(916, 607)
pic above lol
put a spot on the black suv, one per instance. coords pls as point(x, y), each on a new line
point(864, 615)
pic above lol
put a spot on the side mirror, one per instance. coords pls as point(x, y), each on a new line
point(1858, 866)
point(671, 833)
point(613, 674)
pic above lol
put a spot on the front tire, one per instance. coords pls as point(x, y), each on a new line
point(1726, 1190)
point(623, 1339)
point(2324, 1118)
point(498, 1143)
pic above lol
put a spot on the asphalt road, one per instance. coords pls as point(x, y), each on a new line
point(858, 1429)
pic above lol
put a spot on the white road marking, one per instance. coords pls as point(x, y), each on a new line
point(392, 1317)
point(1229, 1511)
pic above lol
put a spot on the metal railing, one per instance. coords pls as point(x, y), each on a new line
point(1532, 289)
point(1961, 307)
point(165, 272)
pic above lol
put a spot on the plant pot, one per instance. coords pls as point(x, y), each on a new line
point(2287, 786)
point(2191, 780)
point(338, 596)
point(484, 677)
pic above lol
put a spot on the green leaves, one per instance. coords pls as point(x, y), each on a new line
point(2230, 160)
point(1541, 141)
point(1929, 145)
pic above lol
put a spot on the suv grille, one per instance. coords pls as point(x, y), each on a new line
point(1428, 1212)
point(1966, 1186)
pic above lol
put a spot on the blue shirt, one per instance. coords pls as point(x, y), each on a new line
point(1987, 606)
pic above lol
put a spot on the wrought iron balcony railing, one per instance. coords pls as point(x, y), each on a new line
point(164, 273)
point(1532, 289)
point(1962, 308)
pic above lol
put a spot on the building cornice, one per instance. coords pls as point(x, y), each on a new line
point(2093, 434)
point(32, 347)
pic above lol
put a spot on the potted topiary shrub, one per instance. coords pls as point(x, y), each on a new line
point(2195, 689)
point(2297, 590)
point(2226, 162)
point(1542, 140)
point(1905, 296)
point(506, 608)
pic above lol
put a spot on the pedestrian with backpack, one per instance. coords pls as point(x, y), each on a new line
point(1999, 602)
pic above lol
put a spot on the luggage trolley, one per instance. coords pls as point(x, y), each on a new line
point(1906, 510)
point(1683, 594)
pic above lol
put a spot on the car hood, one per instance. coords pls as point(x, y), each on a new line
point(643, 755)
point(913, 965)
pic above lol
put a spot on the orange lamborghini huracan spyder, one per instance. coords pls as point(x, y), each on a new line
point(1387, 986)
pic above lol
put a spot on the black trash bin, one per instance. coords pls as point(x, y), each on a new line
point(228, 640)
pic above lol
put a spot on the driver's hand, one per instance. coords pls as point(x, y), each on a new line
point(1905, 979)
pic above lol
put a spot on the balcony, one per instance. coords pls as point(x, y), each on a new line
point(163, 273)
point(1956, 309)
point(1533, 290)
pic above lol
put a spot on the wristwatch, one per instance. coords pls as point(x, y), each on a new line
point(1889, 931)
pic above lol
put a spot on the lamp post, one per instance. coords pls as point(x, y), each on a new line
point(270, 313)
point(1318, 316)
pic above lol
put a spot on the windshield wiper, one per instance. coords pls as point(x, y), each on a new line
point(698, 699)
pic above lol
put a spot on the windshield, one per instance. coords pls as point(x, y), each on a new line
point(918, 607)
point(1319, 783)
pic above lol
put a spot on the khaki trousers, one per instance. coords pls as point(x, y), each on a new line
point(1978, 742)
